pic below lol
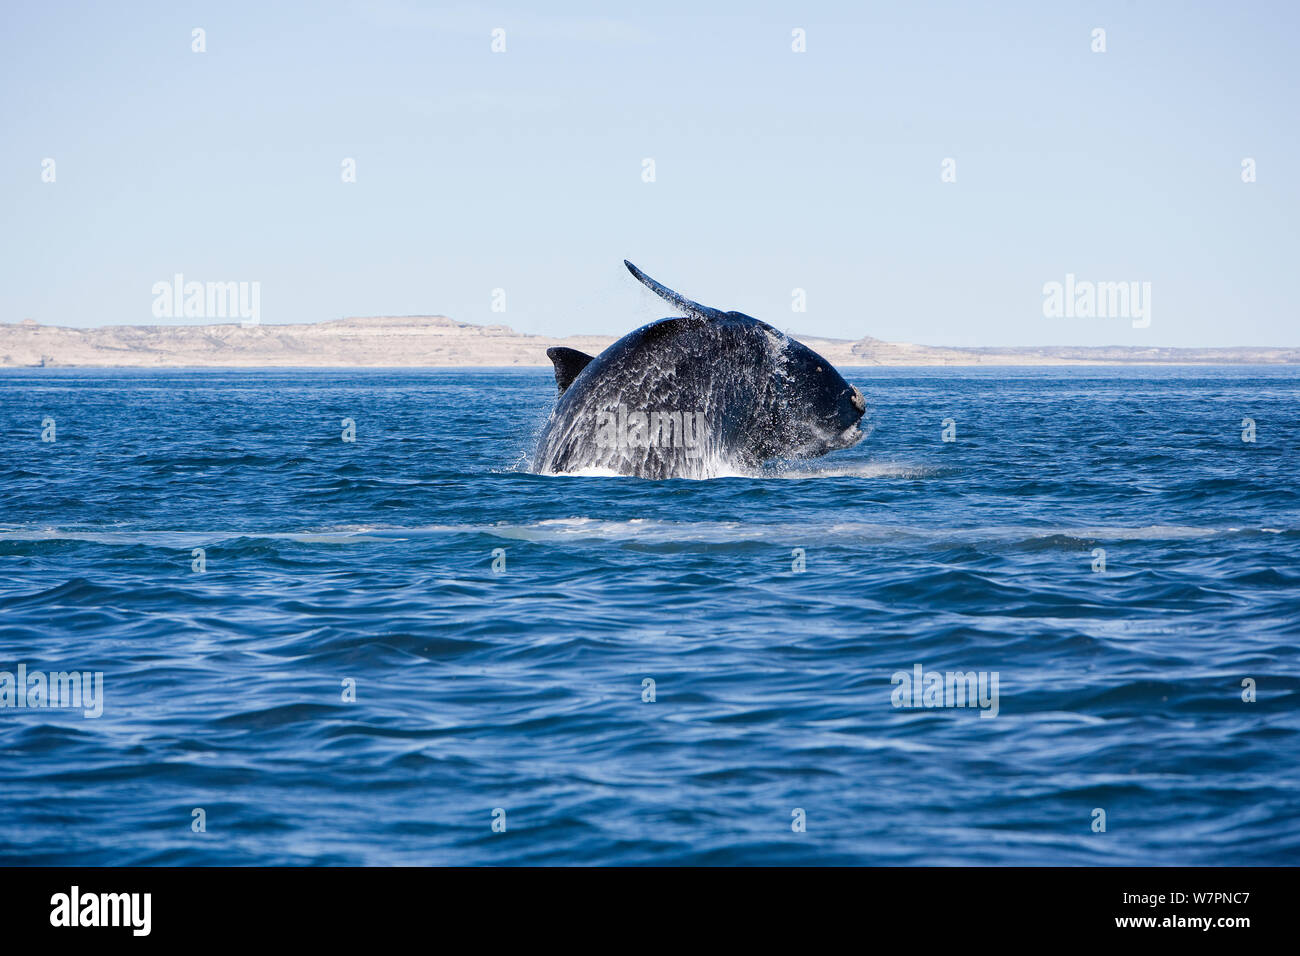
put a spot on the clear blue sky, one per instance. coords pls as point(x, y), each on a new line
point(775, 170)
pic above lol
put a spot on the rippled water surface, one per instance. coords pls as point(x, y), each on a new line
point(332, 562)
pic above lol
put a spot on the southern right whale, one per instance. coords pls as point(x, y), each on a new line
point(694, 396)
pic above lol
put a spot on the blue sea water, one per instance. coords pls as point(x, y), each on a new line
point(370, 564)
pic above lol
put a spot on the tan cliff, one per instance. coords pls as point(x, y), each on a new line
point(423, 341)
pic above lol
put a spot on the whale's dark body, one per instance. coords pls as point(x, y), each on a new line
point(719, 391)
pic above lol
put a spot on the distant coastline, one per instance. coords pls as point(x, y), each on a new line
point(433, 341)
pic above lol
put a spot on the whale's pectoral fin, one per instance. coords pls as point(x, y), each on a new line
point(568, 363)
point(676, 298)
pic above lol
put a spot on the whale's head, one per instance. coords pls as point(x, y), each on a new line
point(812, 409)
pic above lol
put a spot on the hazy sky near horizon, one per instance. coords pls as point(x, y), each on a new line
point(774, 170)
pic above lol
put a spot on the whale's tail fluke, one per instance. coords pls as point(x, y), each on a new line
point(676, 298)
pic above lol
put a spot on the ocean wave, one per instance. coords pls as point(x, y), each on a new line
point(560, 530)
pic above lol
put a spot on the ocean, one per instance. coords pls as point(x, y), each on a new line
point(1066, 636)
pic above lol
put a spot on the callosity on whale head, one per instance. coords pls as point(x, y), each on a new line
point(701, 394)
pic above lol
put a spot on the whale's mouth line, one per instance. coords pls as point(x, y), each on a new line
point(824, 440)
point(846, 439)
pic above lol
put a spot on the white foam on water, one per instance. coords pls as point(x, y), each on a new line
point(716, 469)
point(858, 470)
point(710, 467)
point(650, 530)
